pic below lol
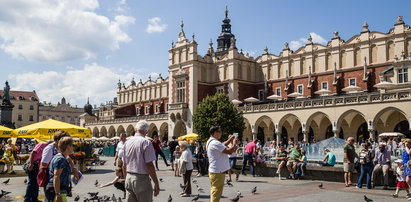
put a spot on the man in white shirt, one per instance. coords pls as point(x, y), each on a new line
point(218, 161)
point(118, 159)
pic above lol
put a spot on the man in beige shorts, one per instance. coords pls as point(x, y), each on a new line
point(349, 156)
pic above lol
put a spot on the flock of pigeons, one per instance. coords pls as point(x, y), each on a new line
point(94, 196)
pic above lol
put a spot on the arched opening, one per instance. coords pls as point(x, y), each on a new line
point(111, 132)
point(284, 136)
point(318, 123)
point(96, 132)
point(120, 130)
point(265, 129)
point(350, 122)
point(152, 130)
point(180, 129)
point(164, 131)
point(404, 128)
point(103, 132)
point(362, 132)
point(391, 119)
point(130, 130)
point(292, 125)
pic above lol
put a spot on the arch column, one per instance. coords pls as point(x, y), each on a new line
point(253, 131)
point(336, 129)
point(304, 131)
point(371, 128)
point(277, 133)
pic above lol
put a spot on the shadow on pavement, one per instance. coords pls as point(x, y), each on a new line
point(252, 181)
point(99, 171)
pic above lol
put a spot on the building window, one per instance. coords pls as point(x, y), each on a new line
point(181, 91)
point(31, 118)
point(352, 82)
point(300, 89)
point(220, 89)
point(324, 85)
point(278, 91)
point(261, 95)
point(20, 117)
point(20, 106)
point(31, 107)
point(403, 75)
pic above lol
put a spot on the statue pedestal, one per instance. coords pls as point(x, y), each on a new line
point(6, 115)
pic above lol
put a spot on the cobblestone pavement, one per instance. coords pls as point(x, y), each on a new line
point(268, 188)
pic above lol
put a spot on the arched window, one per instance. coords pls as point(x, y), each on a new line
point(357, 57)
point(343, 59)
point(329, 62)
point(302, 66)
point(390, 50)
point(374, 51)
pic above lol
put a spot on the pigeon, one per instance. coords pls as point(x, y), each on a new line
point(106, 198)
point(6, 182)
point(254, 190)
point(194, 181)
point(96, 183)
point(169, 198)
point(181, 186)
point(235, 199)
point(77, 198)
point(229, 183)
point(92, 193)
point(25, 181)
point(239, 193)
point(199, 189)
point(119, 199)
point(113, 198)
point(367, 199)
point(4, 193)
point(161, 179)
point(320, 186)
point(196, 197)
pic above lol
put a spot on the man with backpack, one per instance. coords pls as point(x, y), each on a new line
point(365, 158)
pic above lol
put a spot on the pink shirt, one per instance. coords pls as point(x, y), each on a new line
point(137, 152)
point(250, 147)
point(37, 152)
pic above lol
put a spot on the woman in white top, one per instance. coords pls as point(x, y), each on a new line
point(187, 160)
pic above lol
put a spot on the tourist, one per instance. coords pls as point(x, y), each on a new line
point(32, 189)
point(382, 162)
point(158, 150)
point(405, 161)
point(365, 158)
point(59, 172)
point(401, 183)
point(118, 158)
point(249, 152)
point(9, 155)
point(177, 155)
point(186, 162)
point(302, 163)
point(259, 161)
point(295, 154)
point(273, 148)
point(233, 163)
point(118, 182)
point(199, 155)
point(172, 147)
point(218, 160)
point(138, 165)
point(281, 158)
point(329, 158)
point(349, 156)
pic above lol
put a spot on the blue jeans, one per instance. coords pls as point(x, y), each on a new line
point(366, 169)
point(248, 157)
point(32, 189)
point(233, 162)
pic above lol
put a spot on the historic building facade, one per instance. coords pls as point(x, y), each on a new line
point(360, 87)
point(63, 111)
point(26, 107)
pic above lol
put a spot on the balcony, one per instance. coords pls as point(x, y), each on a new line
point(329, 101)
point(134, 119)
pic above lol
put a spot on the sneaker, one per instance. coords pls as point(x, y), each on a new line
point(199, 175)
point(395, 195)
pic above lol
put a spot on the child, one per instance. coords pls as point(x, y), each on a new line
point(118, 182)
point(401, 184)
point(301, 164)
point(177, 154)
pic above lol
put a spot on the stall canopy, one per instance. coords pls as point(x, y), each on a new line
point(191, 137)
point(47, 128)
point(5, 132)
point(391, 134)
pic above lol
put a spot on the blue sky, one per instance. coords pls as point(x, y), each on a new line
point(79, 48)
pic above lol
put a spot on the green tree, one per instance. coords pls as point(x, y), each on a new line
point(217, 110)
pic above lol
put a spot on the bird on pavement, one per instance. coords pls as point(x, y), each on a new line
point(320, 186)
point(25, 181)
point(96, 183)
point(169, 198)
point(196, 197)
point(194, 181)
point(367, 199)
point(254, 190)
point(181, 186)
point(92, 193)
point(239, 193)
point(4, 193)
point(6, 182)
point(235, 199)
point(77, 198)
point(113, 198)
point(199, 189)
point(161, 179)
point(229, 183)
point(119, 199)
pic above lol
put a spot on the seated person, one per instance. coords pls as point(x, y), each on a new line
point(302, 163)
point(281, 158)
point(295, 154)
point(329, 159)
point(118, 182)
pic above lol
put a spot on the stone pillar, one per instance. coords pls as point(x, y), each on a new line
point(253, 132)
point(371, 128)
point(278, 137)
point(305, 137)
point(336, 129)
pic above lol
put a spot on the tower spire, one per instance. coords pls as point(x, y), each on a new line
point(225, 37)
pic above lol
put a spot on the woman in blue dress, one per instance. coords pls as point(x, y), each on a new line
point(405, 158)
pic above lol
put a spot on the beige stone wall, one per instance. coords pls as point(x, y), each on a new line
point(25, 112)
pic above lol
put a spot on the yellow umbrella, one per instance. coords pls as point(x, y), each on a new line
point(47, 128)
point(5, 132)
point(191, 136)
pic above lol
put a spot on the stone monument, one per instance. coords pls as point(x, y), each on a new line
point(6, 108)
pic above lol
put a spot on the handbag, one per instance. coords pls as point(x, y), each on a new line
point(183, 166)
point(43, 177)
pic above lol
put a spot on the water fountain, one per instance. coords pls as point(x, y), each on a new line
point(315, 152)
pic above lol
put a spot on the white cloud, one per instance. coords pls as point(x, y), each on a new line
point(154, 25)
point(94, 81)
point(316, 38)
point(41, 30)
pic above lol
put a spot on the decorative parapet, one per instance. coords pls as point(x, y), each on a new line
point(363, 98)
point(152, 117)
point(177, 106)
